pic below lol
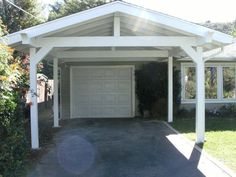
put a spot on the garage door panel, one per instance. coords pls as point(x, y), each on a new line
point(123, 99)
point(95, 111)
point(124, 73)
point(108, 111)
point(96, 99)
point(95, 86)
point(83, 99)
point(80, 110)
point(123, 85)
point(124, 111)
point(96, 73)
point(109, 85)
point(109, 99)
point(110, 73)
point(81, 86)
point(101, 92)
point(81, 74)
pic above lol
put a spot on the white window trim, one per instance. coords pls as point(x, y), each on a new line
point(219, 98)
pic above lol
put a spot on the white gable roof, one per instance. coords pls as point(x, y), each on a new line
point(164, 20)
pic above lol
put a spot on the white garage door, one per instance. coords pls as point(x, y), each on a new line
point(101, 92)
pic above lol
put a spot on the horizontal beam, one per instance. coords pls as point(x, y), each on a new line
point(116, 41)
point(112, 54)
point(110, 60)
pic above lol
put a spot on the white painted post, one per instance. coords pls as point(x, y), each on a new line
point(34, 104)
point(200, 97)
point(197, 57)
point(170, 89)
point(55, 95)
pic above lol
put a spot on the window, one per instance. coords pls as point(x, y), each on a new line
point(211, 82)
point(220, 82)
point(190, 82)
point(228, 82)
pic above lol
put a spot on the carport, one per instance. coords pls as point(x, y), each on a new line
point(105, 42)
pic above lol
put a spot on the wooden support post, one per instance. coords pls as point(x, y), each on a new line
point(34, 104)
point(197, 57)
point(35, 57)
point(170, 89)
point(55, 96)
point(200, 93)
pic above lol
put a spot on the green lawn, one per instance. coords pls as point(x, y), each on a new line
point(220, 137)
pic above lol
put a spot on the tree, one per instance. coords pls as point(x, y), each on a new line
point(226, 28)
point(68, 7)
point(234, 29)
point(15, 19)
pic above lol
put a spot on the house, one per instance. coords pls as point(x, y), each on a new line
point(44, 88)
point(97, 51)
point(220, 88)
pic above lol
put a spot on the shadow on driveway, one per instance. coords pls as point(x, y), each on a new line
point(117, 148)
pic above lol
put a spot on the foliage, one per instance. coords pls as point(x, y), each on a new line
point(228, 110)
point(152, 88)
point(15, 19)
point(67, 7)
point(13, 140)
point(176, 88)
point(12, 133)
point(229, 82)
point(211, 85)
point(226, 28)
point(210, 82)
point(46, 69)
point(234, 29)
point(190, 80)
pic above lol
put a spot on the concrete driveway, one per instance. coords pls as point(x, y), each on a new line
point(121, 148)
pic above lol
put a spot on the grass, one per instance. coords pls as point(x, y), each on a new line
point(220, 137)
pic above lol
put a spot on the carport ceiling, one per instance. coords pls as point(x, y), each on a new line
point(129, 26)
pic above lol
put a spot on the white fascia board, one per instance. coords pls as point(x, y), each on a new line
point(11, 39)
point(117, 6)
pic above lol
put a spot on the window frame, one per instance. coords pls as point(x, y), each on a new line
point(220, 98)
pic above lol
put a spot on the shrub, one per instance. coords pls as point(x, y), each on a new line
point(12, 132)
point(13, 140)
point(228, 110)
point(152, 88)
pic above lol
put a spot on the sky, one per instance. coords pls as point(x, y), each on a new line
point(191, 10)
